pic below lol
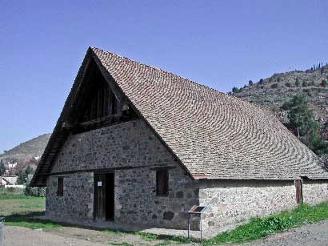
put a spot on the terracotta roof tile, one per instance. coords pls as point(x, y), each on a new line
point(213, 134)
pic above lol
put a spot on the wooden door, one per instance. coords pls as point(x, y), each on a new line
point(104, 196)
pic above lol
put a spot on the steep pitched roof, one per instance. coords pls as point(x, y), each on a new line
point(213, 135)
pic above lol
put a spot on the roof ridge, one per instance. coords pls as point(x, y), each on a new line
point(161, 70)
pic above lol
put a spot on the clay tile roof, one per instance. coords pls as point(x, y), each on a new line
point(214, 135)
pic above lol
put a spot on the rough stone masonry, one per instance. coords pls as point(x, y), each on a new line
point(133, 145)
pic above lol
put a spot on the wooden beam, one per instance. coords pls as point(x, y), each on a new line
point(97, 121)
point(67, 126)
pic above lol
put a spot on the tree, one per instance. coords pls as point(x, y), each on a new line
point(2, 168)
point(250, 82)
point(322, 70)
point(33, 191)
point(299, 115)
point(301, 119)
point(23, 175)
point(235, 90)
point(274, 86)
point(297, 82)
point(324, 83)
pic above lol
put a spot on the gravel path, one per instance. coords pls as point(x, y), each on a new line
point(19, 236)
point(73, 236)
point(308, 235)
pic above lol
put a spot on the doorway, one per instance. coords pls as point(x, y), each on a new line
point(104, 196)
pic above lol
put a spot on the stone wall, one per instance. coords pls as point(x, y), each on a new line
point(315, 192)
point(129, 144)
point(77, 200)
point(232, 202)
point(136, 201)
point(133, 152)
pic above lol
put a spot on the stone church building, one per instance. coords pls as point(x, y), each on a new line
point(136, 145)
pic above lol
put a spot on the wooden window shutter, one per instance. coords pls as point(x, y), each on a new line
point(162, 182)
point(60, 186)
point(299, 191)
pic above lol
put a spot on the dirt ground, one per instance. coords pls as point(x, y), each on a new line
point(19, 236)
point(308, 235)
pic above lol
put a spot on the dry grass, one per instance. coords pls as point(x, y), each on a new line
point(21, 205)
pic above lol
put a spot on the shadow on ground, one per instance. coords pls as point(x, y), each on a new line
point(31, 220)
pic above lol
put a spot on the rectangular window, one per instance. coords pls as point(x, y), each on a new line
point(60, 186)
point(162, 182)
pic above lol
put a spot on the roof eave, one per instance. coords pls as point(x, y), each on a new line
point(36, 182)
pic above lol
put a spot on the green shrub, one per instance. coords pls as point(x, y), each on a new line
point(308, 92)
point(235, 90)
point(14, 190)
point(302, 121)
point(2, 168)
point(23, 175)
point(35, 191)
point(288, 84)
point(273, 224)
point(297, 82)
point(275, 85)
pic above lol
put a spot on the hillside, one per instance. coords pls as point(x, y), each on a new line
point(272, 92)
point(26, 153)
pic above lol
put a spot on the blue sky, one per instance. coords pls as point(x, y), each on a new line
point(218, 43)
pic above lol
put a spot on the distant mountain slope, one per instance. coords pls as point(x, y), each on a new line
point(27, 150)
point(279, 88)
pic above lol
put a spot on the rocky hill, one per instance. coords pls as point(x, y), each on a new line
point(26, 153)
point(274, 91)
